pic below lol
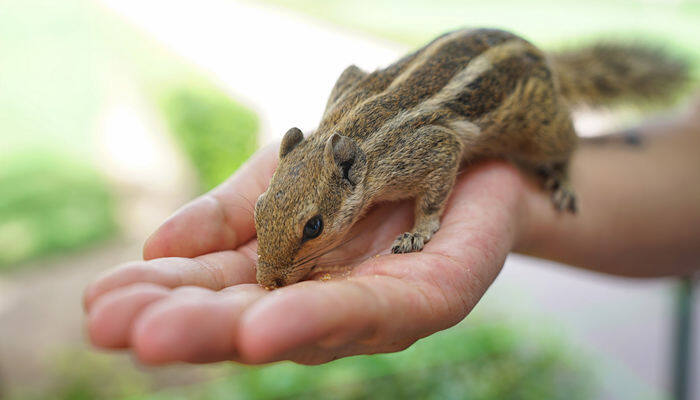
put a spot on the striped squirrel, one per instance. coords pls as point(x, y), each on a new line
point(403, 132)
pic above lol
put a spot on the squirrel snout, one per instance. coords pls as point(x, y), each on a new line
point(272, 284)
point(269, 277)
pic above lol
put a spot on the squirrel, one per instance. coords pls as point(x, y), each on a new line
point(403, 132)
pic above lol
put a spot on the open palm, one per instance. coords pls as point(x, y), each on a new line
point(195, 298)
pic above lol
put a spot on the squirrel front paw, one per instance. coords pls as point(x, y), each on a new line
point(407, 243)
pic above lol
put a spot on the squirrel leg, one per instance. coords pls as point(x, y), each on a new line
point(430, 204)
point(555, 177)
point(427, 221)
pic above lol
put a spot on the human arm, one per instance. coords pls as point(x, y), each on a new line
point(640, 205)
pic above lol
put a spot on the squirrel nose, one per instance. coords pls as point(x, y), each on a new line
point(271, 284)
point(278, 282)
point(268, 277)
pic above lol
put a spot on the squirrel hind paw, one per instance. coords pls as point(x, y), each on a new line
point(407, 243)
point(564, 199)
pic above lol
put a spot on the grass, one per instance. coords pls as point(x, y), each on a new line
point(50, 204)
point(217, 133)
point(78, 374)
point(484, 360)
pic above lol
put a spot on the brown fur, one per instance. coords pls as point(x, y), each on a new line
point(403, 131)
point(605, 73)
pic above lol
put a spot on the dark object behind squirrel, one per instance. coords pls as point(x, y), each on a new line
point(403, 131)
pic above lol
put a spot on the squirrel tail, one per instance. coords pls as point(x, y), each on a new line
point(606, 73)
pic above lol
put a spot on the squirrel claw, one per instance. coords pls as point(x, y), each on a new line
point(407, 243)
point(564, 199)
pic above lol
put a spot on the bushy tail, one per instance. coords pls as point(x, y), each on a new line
point(607, 73)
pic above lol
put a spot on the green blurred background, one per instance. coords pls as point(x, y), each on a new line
point(101, 125)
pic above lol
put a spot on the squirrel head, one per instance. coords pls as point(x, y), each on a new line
point(314, 197)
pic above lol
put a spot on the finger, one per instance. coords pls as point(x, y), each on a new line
point(374, 311)
point(110, 320)
point(192, 325)
point(395, 299)
point(219, 220)
point(315, 354)
point(214, 271)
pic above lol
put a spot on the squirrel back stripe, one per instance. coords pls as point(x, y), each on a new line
point(606, 73)
point(473, 81)
point(414, 79)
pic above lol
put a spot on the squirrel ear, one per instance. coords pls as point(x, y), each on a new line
point(292, 138)
point(346, 156)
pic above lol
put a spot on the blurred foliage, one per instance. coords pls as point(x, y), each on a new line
point(49, 204)
point(217, 133)
point(546, 23)
point(79, 374)
point(481, 361)
point(62, 63)
point(51, 196)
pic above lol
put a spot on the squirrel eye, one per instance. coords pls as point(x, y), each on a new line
point(313, 227)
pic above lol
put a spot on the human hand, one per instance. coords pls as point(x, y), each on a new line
point(195, 299)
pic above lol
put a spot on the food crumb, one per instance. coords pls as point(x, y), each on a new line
point(326, 277)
